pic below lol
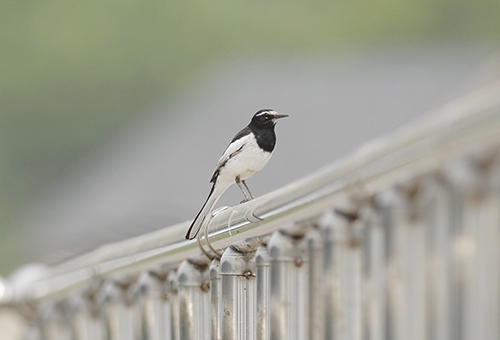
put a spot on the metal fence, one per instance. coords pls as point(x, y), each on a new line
point(399, 241)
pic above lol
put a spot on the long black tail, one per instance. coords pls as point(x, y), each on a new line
point(205, 209)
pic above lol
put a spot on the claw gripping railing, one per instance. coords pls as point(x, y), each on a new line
point(399, 241)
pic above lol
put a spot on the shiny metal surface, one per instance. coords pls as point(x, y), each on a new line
point(54, 321)
point(121, 312)
point(155, 306)
point(87, 320)
point(194, 299)
point(316, 294)
point(405, 265)
point(215, 299)
point(435, 199)
point(239, 294)
point(375, 291)
point(263, 293)
point(289, 286)
point(173, 291)
point(336, 237)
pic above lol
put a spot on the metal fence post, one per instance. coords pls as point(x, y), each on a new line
point(86, 316)
point(54, 320)
point(352, 283)
point(121, 311)
point(194, 298)
point(436, 201)
point(239, 291)
point(215, 299)
point(343, 259)
point(405, 263)
point(263, 293)
point(335, 234)
point(476, 247)
point(172, 288)
point(375, 274)
point(289, 284)
point(316, 294)
point(155, 306)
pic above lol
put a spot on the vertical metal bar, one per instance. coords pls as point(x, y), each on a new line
point(55, 323)
point(172, 289)
point(87, 321)
point(289, 285)
point(121, 312)
point(335, 234)
point(352, 282)
point(416, 284)
point(406, 264)
point(490, 254)
point(436, 201)
point(316, 285)
point(465, 188)
point(476, 247)
point(215, 294)
point(263, 293)
point(375, 277)
point(239, 293)
point(194, 298)
point(155, 306)
point(343, 275)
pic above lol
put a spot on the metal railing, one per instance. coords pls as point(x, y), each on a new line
point(399, 241)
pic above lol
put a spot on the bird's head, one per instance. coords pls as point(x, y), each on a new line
point(266, 117)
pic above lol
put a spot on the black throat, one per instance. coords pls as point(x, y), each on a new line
point(265, 136)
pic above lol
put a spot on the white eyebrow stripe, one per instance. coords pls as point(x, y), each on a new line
point(267, 112)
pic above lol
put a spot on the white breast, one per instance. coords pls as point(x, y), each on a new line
point(246, 163)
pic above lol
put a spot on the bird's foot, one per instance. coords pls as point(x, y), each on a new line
point(245, 200)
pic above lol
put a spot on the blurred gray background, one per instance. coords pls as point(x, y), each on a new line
point(114, 115)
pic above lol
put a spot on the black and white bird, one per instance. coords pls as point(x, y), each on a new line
point(247, 154)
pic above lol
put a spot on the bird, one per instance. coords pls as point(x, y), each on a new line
point(246, 155)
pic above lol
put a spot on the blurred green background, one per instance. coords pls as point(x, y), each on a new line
point(73, 73)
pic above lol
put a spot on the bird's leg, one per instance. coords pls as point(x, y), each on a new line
point(238, 181)
point(246, 186)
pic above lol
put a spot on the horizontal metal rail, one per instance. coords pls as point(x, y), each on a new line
point(358, 188)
